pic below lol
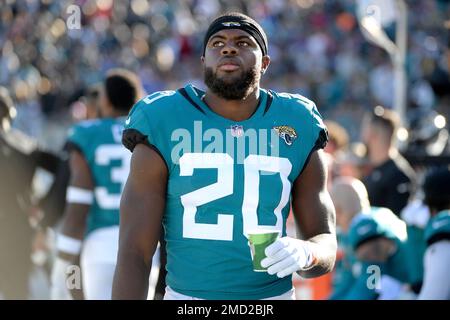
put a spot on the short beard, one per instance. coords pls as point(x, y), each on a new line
point(237, 89)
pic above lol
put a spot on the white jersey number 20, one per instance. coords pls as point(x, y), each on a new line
point(224, 186)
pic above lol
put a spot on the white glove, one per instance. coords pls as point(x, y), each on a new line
point(59, 290)
point(286, 256)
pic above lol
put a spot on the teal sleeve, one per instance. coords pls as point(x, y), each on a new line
point(78, 139)
point(414, 252)
point(143, 126)
point(310, 118)
point(319, 131)
point(343, 278)
point(137, 128)
point(438, 228)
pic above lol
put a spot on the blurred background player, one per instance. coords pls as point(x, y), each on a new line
point(436, 282)
point(99, 167)
point(20, 158)
point(53, 203)
point(378, 240)
point(350, 198)
point(392, 183)
point(373, 237)
point(91, 101)
point(392, 180)
point(15, 196)
point(416, 216)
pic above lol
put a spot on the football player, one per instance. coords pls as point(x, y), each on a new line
point(350, 198)
point(436, 283)
point(213, 166)
point(375, 264)
point(99, 166)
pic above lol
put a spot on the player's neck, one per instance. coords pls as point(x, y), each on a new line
point(236, 110)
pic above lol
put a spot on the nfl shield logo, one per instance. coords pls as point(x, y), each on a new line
point(237, 130)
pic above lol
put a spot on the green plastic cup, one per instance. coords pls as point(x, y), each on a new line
point(259, 240)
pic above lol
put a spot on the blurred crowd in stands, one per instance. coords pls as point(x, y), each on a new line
point(316, 46)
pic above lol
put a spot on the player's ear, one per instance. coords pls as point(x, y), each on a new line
point(202, 59)
point(265, 64)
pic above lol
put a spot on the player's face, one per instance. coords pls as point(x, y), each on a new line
point(233, 63)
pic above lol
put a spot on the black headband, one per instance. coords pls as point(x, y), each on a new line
point(241, 22)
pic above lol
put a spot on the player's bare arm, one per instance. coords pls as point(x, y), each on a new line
point(69, 240)
point(141, 211)
point(315, 215)
point(75, 215)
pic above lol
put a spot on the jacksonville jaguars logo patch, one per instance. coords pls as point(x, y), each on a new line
point(286, 133)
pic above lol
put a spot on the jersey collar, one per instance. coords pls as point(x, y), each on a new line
point(196, 95)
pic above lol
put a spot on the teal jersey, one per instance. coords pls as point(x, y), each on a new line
point(225, 179)
point(100, 143)
point(415, 251)
point(438, 228)
point(416, 215)
point(343, 277)
point(377, 222)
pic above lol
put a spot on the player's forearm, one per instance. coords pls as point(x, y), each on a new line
point(323, 248)
point(72, 231)
point(131, 276)
point(68, 245)
point(74, 220)
point(136, 248)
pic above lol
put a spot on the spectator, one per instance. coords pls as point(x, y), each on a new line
point(338, 136)
point(352, 162)
point(392, 180)
point(43, 62)
point(338, 144)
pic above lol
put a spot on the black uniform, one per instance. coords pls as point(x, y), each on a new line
point(391, 184)
point(19, 158)
point(16, 171)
